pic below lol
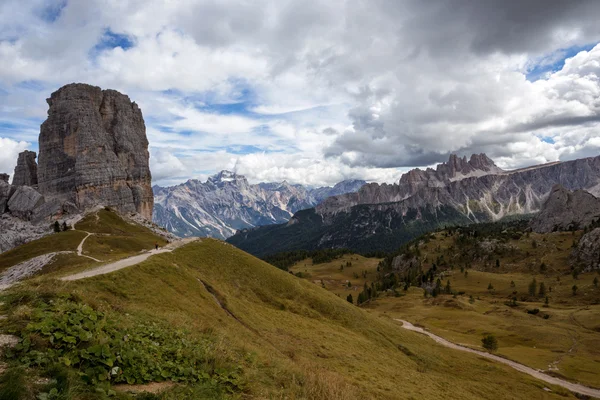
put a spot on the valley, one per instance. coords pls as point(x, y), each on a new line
point(555, 332)
point(254, 331)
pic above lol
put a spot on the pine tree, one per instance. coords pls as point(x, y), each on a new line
point(490, 287)
point(547, 302)
point(350, 299)
point(574, 289)
point(596, 281)
point(542, 291)
point(533, 287)
point(56, 227)
point(448, 287)
point(497, 263)
point(65, 227)
point(575, 273)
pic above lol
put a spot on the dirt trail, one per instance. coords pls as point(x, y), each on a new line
point(126, 262)
point(80, 248)
point(574, 387)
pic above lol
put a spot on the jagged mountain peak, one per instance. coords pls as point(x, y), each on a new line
point(226, 202)
point(226, 176)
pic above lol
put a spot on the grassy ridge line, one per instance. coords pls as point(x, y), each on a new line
point(115, 239)
point(308, 325)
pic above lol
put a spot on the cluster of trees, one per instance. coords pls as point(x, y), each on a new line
point(535, 290)
point(286, 259)
point(61, 228)
point(368, 293)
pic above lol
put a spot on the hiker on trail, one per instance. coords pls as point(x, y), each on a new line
point(156, 245)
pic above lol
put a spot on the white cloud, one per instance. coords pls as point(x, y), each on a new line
point(332, 89)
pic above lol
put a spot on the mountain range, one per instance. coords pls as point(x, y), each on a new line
point(381, 217)
point(226, 202)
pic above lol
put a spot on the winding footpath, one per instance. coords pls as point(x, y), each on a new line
point(573, 387)
point(126, 262)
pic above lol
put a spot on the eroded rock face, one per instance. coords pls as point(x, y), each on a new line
point(26, 169)
point(587, 252)
point(4, 178)
point(94, 150)
point(24, 201)
point(5, 193)
point(567, 210)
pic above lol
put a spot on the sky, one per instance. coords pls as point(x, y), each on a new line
point(315, 91)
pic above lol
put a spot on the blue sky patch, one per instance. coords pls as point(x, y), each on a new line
point(52, 12)
point(111, 40)
point(547, 139)
point(539, 71)
point(34, 85)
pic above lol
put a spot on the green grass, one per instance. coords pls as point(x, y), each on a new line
point(116, 237)
point(565, 343)
point(63, 241)
point(113, 239)
point(334, 278)
point(292, 338)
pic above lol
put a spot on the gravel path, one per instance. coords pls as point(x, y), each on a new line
point(127, 262)
point(574, 387)
point(80, 248)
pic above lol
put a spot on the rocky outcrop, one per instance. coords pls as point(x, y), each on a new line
point(587, 253)
point(16, 232)
point(24, 201)
point(4, 178)
point(6, 190)
point(94, 150)
point(567, 210)
point(26, 169)
point(226, 202)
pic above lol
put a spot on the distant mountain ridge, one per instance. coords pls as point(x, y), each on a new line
point(226, 202)
point(382, 217)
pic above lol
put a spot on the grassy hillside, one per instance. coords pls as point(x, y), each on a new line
point(240, 328)
point(343, 276)
point(490, 269)
point(113, 238)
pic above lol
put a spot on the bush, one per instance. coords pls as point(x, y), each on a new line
point(534, 311)
point(489, 342)
point(103, 350)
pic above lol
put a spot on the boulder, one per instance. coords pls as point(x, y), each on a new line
point(94, 150)
point(24, 201)
point(47, 211)
point(26, 169)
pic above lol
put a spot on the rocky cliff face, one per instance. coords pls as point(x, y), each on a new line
point(566, 210)
point(94, 150)
point(587, 253)
point(26, 169)
point(382, 217)
point(226, 202)
point(456, 169)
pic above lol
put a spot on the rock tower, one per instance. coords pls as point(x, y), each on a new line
point(93, 150)
point(26, 169)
